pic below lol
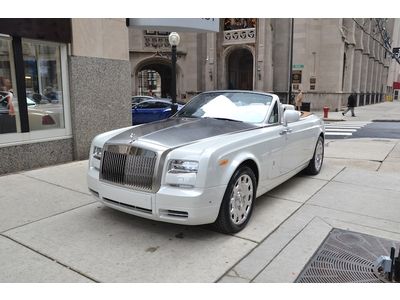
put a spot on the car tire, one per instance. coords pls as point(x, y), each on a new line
point(315, 164)
point(238, 201)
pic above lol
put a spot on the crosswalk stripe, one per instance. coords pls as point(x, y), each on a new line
point(346, 125)
point(344, 129)
point(338, 133)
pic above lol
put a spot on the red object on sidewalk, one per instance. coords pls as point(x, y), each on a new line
point(326, 110)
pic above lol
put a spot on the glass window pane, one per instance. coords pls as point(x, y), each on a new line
point(8, 103)
point(43, 85)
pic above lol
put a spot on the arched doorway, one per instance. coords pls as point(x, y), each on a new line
point(240, 70)
point(154, 77)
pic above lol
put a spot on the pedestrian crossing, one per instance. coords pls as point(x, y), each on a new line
point(343, 129)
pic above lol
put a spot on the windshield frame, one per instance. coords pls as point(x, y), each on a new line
point(214, 94)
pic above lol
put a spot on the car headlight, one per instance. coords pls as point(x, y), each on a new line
point(97, 152)
point(177, 166)
point(182, 173)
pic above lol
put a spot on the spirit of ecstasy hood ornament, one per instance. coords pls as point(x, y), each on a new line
point(132, 137)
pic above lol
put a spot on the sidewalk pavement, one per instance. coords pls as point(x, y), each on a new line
point(52, 230)
point(387, 111)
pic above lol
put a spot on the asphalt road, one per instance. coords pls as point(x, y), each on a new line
point(389, 130)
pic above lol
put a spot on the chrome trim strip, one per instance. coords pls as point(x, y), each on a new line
point(137, 208)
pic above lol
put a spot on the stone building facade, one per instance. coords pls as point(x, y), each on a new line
point(331, 59)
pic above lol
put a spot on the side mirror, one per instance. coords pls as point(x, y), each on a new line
point(290, 116)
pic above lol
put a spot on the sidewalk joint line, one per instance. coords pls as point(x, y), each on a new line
point(55, 184)
point(50, 258)
point(283, 248)
point(350, 212)
point(47, 217)
point(391, 150)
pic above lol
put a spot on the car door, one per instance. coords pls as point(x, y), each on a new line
point(299, 139)
point(144, 112)
point(275, 143)
point(163, 110)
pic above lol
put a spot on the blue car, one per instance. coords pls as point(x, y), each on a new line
point(152, 110)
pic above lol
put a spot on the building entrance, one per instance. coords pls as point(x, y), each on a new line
point(155, 79)
point(240, 70)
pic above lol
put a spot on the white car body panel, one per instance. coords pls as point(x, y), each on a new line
point(277, 152)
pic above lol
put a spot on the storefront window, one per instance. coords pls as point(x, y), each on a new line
point(8, 103)
point(43, 82)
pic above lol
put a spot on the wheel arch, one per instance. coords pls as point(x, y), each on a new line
point(322, 135)
point(243, 160)
point(253, 166)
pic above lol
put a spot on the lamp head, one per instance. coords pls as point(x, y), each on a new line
point(174, 39)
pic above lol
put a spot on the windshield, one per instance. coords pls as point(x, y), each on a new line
point(238, 106)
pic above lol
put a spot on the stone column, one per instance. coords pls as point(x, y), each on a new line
point(260, 65)
point(350, 43)
point(100, 80)
point(365, 68)
point(379, 79)
point(211, 70)
point(331, 64)
point(357, 62)
point(268, 73)
point(371, 69)
point(376, 73)
point(280, 56)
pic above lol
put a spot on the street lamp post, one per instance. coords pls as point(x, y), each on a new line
point(289, 96)
point(174, 40)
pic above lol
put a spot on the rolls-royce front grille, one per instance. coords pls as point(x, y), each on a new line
point(130, 166)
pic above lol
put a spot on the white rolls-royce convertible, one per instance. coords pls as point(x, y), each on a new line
point(209, 162)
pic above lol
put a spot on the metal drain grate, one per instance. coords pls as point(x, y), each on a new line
point(346, 256)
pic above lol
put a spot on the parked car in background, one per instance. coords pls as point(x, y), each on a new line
point(138, 99)
point(152, 110)
point(208, 162)
point(40, 116)
point(45, 116)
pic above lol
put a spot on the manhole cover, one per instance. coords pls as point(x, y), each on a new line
point(346, 256)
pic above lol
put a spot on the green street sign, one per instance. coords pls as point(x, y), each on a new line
point(298, 66)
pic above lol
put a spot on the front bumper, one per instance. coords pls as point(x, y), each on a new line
point(169, 204)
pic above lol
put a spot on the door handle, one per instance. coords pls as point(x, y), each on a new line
point(285, 131)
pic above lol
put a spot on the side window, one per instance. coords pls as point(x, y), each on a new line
point(274, 117)
point(8, 100)
point(144, 105)
point(160, 105)
point(43, 81)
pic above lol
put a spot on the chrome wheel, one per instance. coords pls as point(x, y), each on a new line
point(241, 199)
point(319, 154)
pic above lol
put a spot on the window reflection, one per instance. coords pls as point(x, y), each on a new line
point(43, 85)
point(8, 102)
